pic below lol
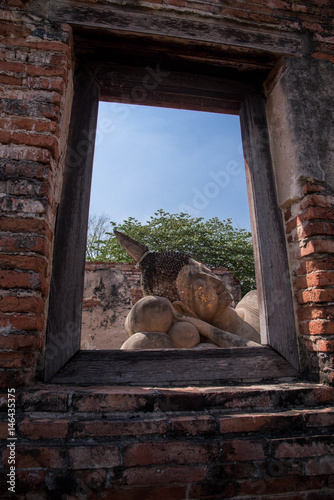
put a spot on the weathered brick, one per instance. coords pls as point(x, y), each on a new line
point(164, 475)
point(319, 345)
point(123, 427)
point(317, 246)
point(319, 418)
point(303, 447)
point(24, 242)
point(281, 485)
point(21, 304)
point(45, 400)
point(21, 322)
point(316, 264)
point(151, 492)
point(26, 225)
point(29, 124)
point(42, 140)
point(26, 480)
point(44, 428)
point(94, 457)
point(315, 312)
point(37, 457)
point(17, 279)
point(16, 377)
point(259, 422)
point(37, 264)
point(181, 399)
point(320, 466)
point(10, 359)
point(193, 425)
point(316, 295)
point(177, 452)
point(113, 399)
point(317, 327)
point(20, 342)
point(243, 450)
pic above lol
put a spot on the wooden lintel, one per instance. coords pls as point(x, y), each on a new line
point(165, 24)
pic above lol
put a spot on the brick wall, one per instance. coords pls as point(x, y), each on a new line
point(310, 231)
point(137, 443)
point(35, 81)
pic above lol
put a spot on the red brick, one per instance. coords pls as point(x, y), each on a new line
point(22, 321)
point(164, 475)
point(29, 153)
point(321, 466)
point(320, 279)
point(17, 3)
point(319, 418)
point(4, 430)
point(315, 312)
point(316, 295)
point(56, 84)
point(29, 124)
point(25, 225)
point(24, 242)
point(224, 488)
point(315, 228)
point(181, 399)
point(32, 481)
point(236, 398)
point(123, 427)
point(319, 345)
point(113, 399)
point(16, 378)
point(44, 428)
point(317, 200)
point(259, 422)
point(193, 425)
point(10, 80)
point(37, 139)
point(37, 264)
point(20, 342)
point(17, 279)
point(21, 304)
point(317, 246)
point(10, 359)
point(46, 400)
point(314, 265)
point(94, 457)
point(243, 450)
point(310, 187)
point(147, 493)
point(36, 457)
point(317, 327)
point(178, 452)
point(312, 213)
point(287, 215)
point(304, 447)
point(280, 485)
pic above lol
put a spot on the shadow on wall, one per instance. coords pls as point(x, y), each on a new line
point(110, 290)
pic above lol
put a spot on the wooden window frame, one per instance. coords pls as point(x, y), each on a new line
point(190, 82)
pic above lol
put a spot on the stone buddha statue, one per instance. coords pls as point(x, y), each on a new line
point(185, 305)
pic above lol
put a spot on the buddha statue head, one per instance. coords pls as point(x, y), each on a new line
point(192, 287)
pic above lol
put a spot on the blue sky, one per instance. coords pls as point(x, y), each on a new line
point(147, 158)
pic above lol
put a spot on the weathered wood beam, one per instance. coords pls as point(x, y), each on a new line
point(66, 288)
point(277, 321)
point(161, 24)
point(179, 367)
point(154, 86)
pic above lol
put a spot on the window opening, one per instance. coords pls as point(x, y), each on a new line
point(155, 163)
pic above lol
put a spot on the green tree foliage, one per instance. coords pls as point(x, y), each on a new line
point(214, 242)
